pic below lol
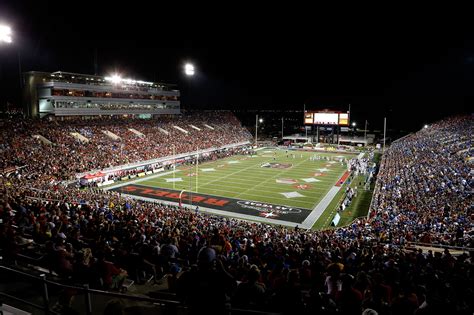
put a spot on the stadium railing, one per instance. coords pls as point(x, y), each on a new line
point(167, 306)
point(376, 187)
point(441, 246)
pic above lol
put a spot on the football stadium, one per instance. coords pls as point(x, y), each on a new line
point(125, 195)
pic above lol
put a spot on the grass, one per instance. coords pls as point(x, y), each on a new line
point(359, 206)
point(377, 157)
point(243, 177)
point(325, 219)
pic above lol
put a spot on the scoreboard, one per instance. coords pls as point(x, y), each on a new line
point(308, 118)
point(326, 118)
point(343, 119)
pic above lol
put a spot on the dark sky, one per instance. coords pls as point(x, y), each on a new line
point(383, 63)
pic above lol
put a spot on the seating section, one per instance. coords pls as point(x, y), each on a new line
point(425, 188)
point(423, 194)
point(69, 155)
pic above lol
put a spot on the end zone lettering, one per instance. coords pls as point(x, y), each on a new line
point(174, 195)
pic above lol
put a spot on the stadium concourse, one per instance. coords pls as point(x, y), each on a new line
point(423, 194)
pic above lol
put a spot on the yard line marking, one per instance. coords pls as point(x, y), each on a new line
point(226, 176)
point(277, 189)
point(320, 208)
point(253, 179)
point(273, 177)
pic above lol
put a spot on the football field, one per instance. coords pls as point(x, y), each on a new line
point(291, 183)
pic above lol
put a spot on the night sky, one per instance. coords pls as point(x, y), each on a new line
point(408, 69)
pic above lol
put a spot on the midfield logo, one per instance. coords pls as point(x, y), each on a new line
point(302, 186)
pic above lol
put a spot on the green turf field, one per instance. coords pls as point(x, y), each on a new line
point(244, 177)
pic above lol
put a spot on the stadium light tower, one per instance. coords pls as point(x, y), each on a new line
point(282, 119)
point(189, 69)
point(365, 133)
point(5, 34)
point(6, 37)
point(116, 79)
point(256, 127)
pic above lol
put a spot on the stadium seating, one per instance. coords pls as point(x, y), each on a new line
point(423, 194)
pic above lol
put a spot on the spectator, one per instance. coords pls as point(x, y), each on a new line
point(206, 288)
point(250, 294)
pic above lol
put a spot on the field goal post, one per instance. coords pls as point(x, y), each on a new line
point(190, 198)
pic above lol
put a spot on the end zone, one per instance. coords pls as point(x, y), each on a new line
point(243, 209)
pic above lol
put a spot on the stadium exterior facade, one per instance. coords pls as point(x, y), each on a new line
point(73, 94)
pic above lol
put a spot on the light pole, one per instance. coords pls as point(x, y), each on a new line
point(190, 185)
point(189, 71)
point(197, 169)
point(174, 166)
point(282, 129)
point(19, 69)
point(365, 133)
point(256, 130)
point(305, 129)
point(256, 127)
point(6, 38)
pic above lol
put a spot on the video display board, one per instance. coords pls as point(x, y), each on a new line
point(326, 118)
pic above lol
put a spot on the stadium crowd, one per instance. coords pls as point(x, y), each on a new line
point(425, 186)
point(68, 155)
point(423, 193)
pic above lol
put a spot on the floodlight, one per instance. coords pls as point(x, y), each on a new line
point(115, 79)
point(189, 69)
point(5, 34)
